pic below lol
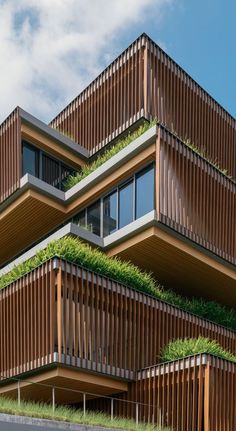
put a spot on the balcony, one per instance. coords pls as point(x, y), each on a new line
point(17, 159)
point(61, 321)
point(184, 234)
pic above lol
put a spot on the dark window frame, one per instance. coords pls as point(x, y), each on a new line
point(130, 179)
point(42, 153)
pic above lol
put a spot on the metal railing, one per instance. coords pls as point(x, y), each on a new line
point(84, 394)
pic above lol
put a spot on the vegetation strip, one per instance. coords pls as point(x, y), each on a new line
point(75, 416)
point(73, 250)
point(72, 180)
point(179, 349)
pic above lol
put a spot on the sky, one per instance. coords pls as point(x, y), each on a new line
point(51, 49)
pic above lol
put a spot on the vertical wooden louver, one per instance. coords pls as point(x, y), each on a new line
point(60, 312)
point(190, 394)
point(195, 198)
point(146, 82)
point(110, 104)
point(196, 393)
point(27, 322)
point(10, 155)
point(182, 106)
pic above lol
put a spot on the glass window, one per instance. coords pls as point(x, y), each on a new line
point(30, 160)
point(80, 219)
point(50, 171)
point(93, 218)
point(126, 204)
point(144, 191)
point(110, 214)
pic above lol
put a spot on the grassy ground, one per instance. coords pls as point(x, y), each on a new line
point(66, 414)
point(179, 349)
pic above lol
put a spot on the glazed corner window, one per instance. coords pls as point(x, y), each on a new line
point(128, 202)
point(30, 160)
point(126, 211)
point(80, 219)
point(144, 201)
point(93, 218)
point(110, 214)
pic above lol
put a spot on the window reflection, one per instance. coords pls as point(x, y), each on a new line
point(80, 219)
point(110, 214)
point(127, 203)
point(41, 165)
point(30, 160)
point(126, 213)
point(144, 191)
point(93, 218)
point(50, 171)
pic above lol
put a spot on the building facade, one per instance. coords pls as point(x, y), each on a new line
point(166, 202)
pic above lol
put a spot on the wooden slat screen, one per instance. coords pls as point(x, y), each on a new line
point(27, 322)
point(200, 396)
point(196, 199)
point(110, 104)
point(145, 82)
point(192, 394)
point(62, 312)
point(185, 108)
point(117, 330)
point(10, 155)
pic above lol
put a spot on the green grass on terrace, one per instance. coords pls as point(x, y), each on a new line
point(112, 151)
point(73, 250)
point(75, 416)
point(179, 349)
point(87, 169)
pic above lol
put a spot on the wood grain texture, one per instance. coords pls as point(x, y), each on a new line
point(196, 199)
point(62, 313)
point(193, 394)
point(145, 82)
point(10, 155)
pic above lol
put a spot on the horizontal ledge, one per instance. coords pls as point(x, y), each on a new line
point(80, 363)
point(201, 359)
point(54, 134)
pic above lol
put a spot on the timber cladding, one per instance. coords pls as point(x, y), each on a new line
point(10, 155)
point(190, 394)
point(196, 393)
point(145, 82)
point(63, 313)
point(195, 198)
point(110, 104)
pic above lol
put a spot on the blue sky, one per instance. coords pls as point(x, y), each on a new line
point(200, 35)
point(50, 50)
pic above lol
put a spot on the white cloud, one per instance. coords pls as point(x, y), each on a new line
point(51, 49)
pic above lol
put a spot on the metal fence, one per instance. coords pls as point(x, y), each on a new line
point(85, 396)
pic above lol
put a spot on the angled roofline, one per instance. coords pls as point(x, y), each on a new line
point(144, 37)
point(188, 75)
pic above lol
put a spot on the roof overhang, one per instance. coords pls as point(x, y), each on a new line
point(37, 208)
point(50, 140)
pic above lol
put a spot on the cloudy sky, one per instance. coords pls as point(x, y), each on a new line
point(51, 49)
